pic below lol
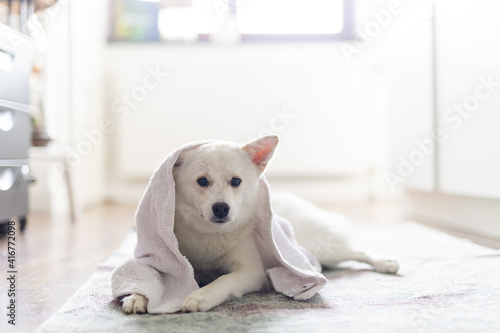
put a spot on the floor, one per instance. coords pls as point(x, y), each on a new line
point(54, 256)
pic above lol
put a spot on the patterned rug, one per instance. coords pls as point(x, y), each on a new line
point(445, 284)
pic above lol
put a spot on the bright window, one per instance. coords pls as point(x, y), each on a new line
point(196, 20)
point(290, 17)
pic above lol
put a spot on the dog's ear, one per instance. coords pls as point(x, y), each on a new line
point(180, 159)
point(261, 150)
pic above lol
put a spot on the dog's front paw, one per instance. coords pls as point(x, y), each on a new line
point(135, 303)
point(197, 301)
point(389, 266)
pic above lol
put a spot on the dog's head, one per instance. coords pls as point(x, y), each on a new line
point(216, 184)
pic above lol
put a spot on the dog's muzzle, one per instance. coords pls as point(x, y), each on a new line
point(221, 211)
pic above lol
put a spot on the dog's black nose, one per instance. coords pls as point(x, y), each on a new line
point(220, 209)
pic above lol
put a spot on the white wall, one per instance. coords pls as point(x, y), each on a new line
point(467, 190)
point(349, 110)
point(468, 75)
point(464, 131)
point(235, 93)
point(408, 99)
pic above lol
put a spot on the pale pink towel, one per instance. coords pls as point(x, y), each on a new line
point(162, 274)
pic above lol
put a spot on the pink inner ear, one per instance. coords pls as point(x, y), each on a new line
point(260, 155)
point(261, 150)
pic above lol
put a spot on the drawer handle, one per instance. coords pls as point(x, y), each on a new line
point(7, 179)
point(7, 120)
point(6, 61)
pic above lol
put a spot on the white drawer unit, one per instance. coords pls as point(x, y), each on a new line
point(15, 126)
point(15, 129)
point(14, 180)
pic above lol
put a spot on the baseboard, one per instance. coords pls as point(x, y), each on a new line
point(476, 216)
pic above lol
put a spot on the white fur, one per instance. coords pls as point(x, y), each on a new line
point(325, 234)
point(135, 303)
point(223, 254)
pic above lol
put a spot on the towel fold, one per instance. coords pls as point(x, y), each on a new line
point(161, 273)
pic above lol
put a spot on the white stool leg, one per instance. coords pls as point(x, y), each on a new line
point(69, 187)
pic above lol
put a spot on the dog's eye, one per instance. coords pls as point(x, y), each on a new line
point(235, 182)
point(202, 182)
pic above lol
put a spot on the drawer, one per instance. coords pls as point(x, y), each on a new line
point(15, 133)
point(15, 66)
point(13, 190)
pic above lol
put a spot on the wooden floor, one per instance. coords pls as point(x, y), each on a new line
point(54, 256)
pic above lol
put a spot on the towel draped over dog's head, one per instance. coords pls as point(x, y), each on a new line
point(161, 273)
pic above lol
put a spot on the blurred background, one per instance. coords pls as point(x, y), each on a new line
point(376, 102)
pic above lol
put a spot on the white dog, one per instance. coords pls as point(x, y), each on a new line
point(216, 189)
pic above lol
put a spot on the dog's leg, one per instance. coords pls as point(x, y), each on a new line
point(135, 303)
point(247, 276)
point(381, 263)
point(331, 248)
